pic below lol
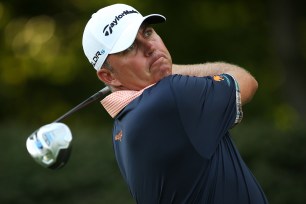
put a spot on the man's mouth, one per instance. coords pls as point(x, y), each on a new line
point(156, 60)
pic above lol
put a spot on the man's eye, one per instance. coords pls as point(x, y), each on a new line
point(148, 32)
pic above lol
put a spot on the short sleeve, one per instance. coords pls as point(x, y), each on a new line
point(208, 107)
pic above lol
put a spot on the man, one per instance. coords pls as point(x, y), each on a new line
point(171, 132)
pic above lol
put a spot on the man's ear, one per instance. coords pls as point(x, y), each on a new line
point(108, 77)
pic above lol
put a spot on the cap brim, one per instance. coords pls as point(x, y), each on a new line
point(128, 36)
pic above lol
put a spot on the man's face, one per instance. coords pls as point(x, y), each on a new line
point(145, 62)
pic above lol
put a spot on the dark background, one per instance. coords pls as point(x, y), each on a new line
point(44, 73)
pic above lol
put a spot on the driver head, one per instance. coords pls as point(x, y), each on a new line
point(50, 145)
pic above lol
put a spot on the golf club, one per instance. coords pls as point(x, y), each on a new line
point(50, 145)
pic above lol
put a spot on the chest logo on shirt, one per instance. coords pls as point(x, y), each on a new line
point(118, 137)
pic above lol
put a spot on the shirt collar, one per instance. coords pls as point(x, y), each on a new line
point(116, 101)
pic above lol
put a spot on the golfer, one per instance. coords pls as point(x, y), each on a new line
point(171, 122)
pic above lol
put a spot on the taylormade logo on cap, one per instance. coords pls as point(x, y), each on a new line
point(108, 29)
point(112, 29)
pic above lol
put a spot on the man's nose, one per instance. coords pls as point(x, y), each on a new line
point(148, 47)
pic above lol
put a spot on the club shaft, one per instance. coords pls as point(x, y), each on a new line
point(97, 96)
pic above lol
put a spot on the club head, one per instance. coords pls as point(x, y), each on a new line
point(50, 145)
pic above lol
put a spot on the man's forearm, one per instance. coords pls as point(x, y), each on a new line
point(247, 83)
point(205, 69)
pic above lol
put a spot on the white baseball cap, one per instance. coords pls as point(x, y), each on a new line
point(113, 29)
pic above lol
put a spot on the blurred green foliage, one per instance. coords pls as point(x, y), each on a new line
point(91, 175)
point(44, 73)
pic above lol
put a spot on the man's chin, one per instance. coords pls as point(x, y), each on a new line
point(162, 75)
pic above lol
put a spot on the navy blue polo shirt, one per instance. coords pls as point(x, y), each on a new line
point(172, 144)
